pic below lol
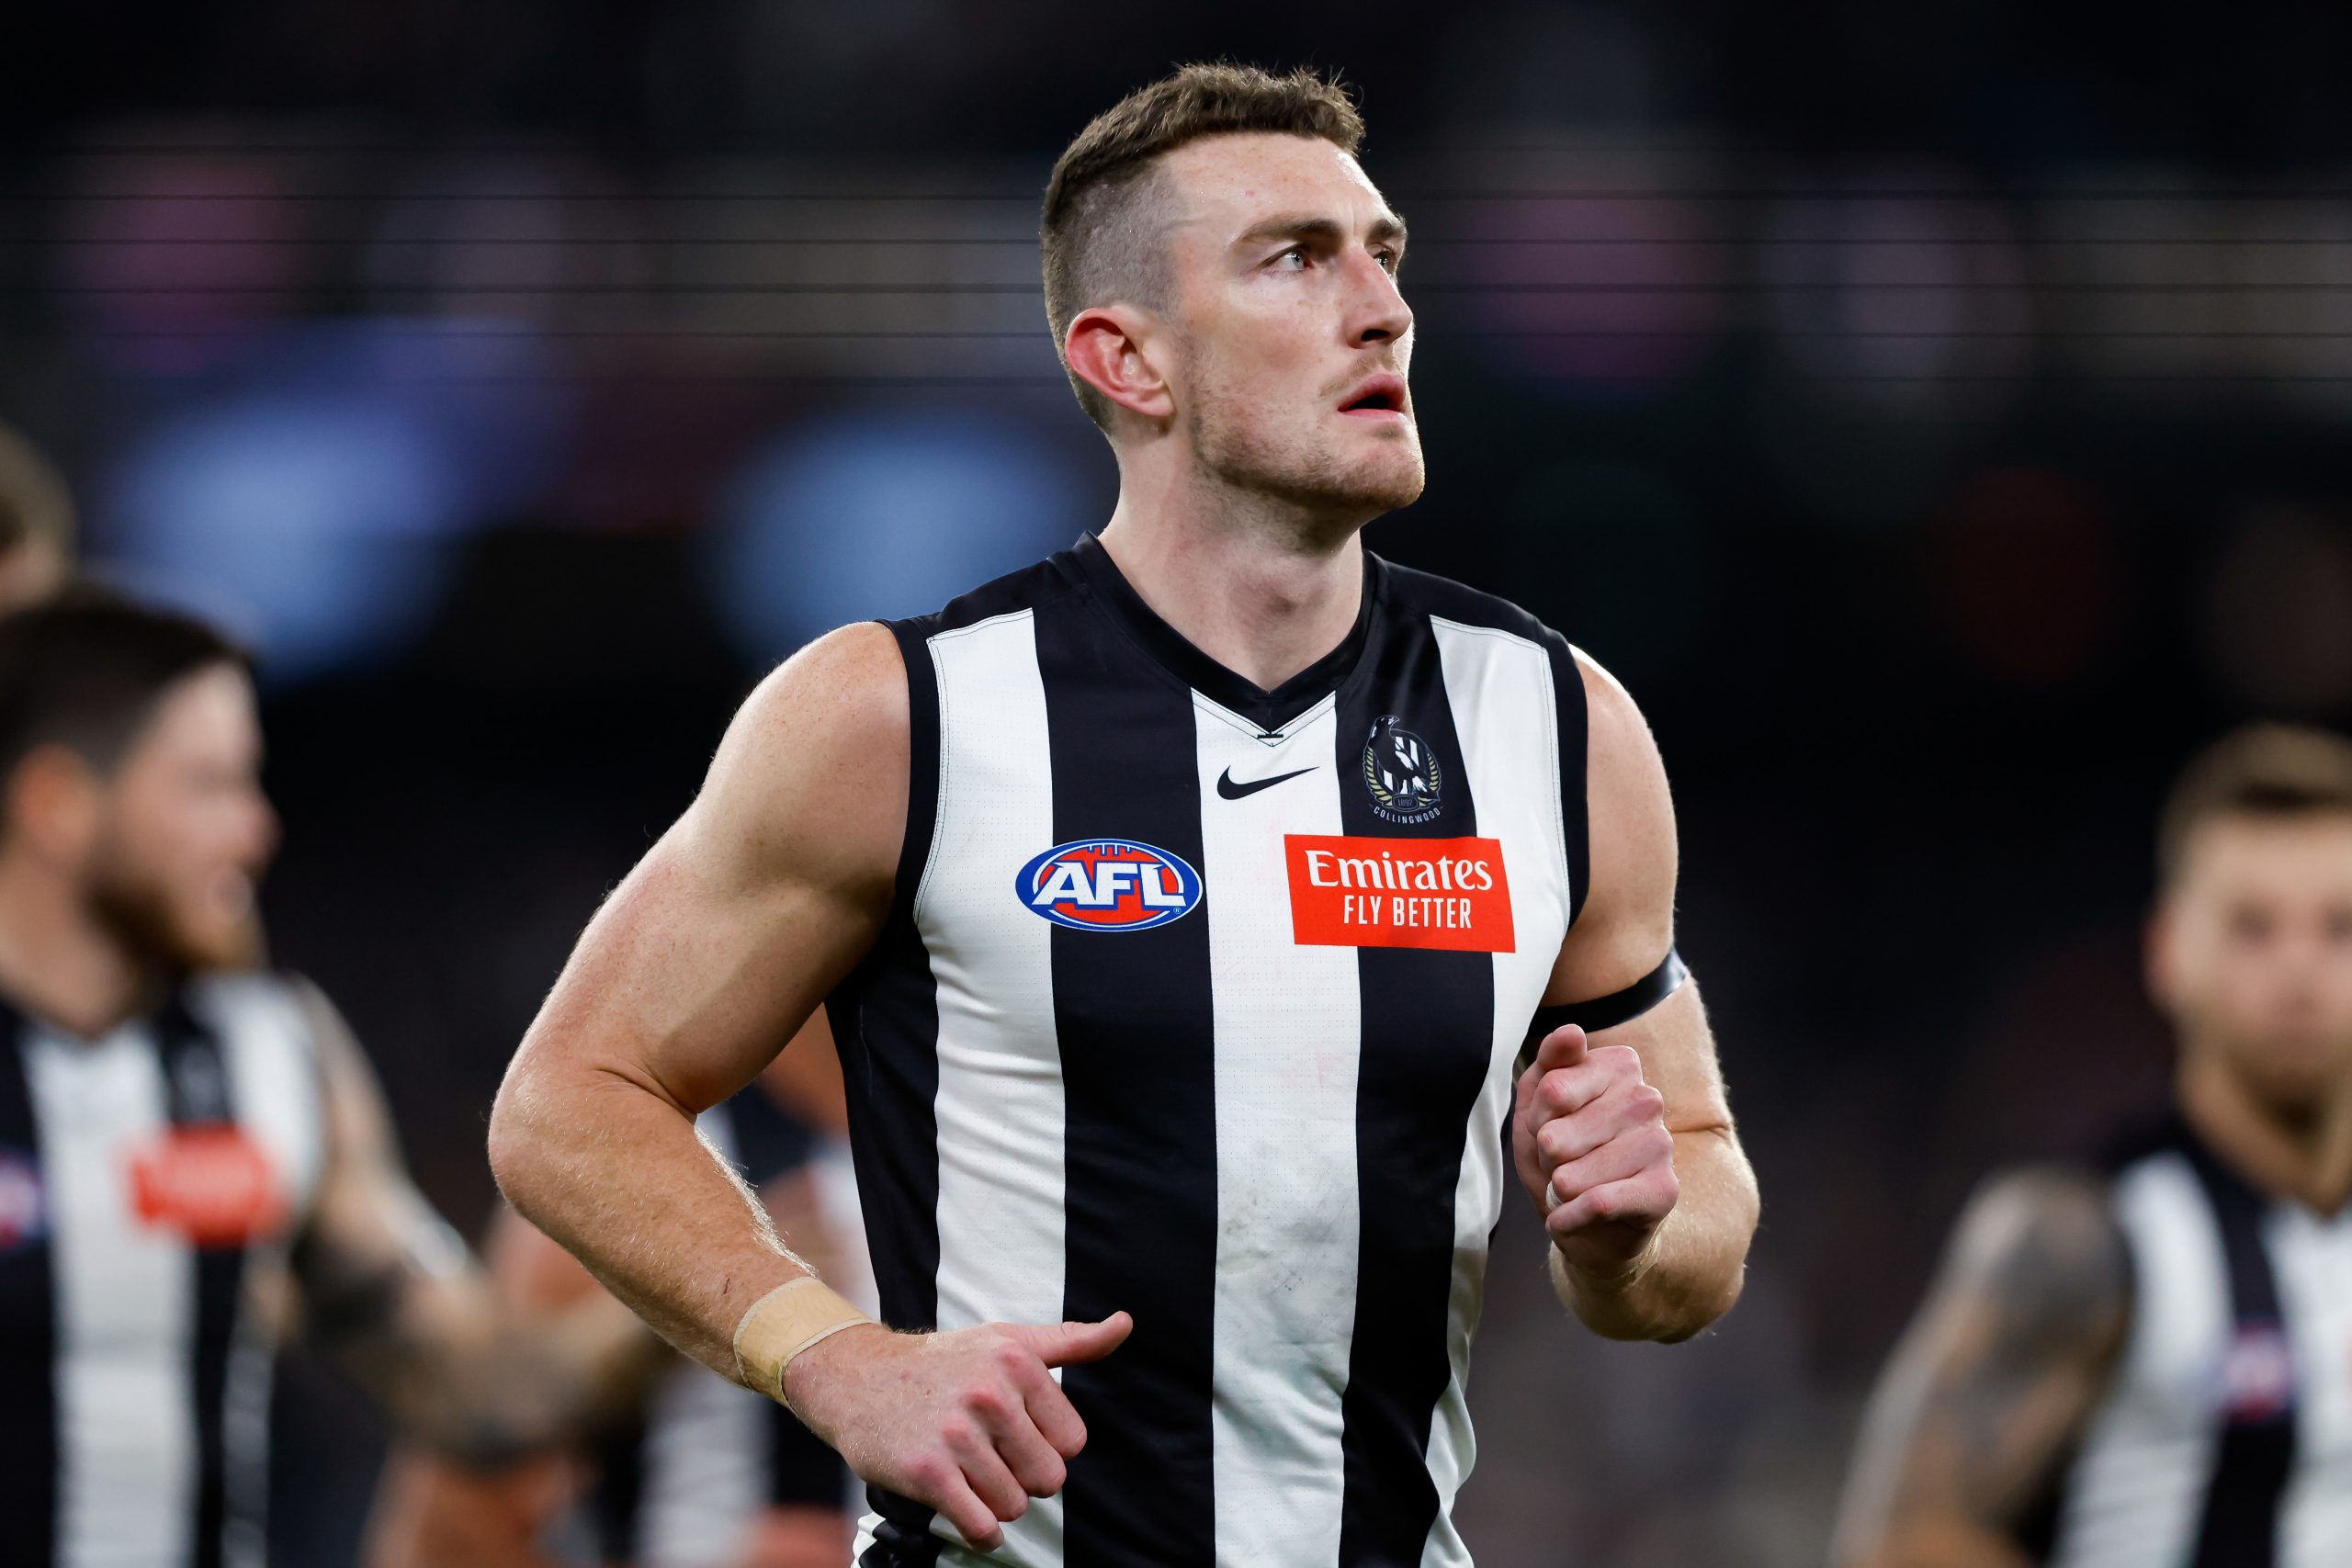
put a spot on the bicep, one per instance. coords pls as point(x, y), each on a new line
point(760, 898)
point(1999, 1372)
point(1626, 927)
point(1626, 924)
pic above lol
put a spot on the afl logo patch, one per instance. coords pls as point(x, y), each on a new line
point(1402, 772)
point(24, 1212)
point(1108, 885)
point(2257, 1375)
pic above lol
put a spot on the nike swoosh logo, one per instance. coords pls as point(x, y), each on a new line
point(1232, 791)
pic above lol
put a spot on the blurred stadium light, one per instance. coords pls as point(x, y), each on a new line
point(887, 512)
point(315, 525)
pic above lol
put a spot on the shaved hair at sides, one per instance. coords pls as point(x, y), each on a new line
point(1109, 205)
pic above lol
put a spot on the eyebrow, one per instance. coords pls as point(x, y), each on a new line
point(1299, 226)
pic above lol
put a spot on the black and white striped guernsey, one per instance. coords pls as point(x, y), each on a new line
point(151, 1182)
point(1200, 1003)
point(2224, 1439)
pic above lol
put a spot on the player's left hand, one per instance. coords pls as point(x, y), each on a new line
point(1590, 1141)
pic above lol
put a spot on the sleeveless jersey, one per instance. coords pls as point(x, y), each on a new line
point(149, 1181)
point(2224, 1439)
point(680, 1487)
point(1200, 1003)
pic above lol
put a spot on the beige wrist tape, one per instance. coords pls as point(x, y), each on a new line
point(782, 1324)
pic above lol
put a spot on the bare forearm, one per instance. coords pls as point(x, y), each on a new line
point(616, 1174)
point(1943, 1545)
point(493, 1397)
point(430, 1514)
point(1692, 1273)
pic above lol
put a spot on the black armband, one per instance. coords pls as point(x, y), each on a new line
point(1607, 1012)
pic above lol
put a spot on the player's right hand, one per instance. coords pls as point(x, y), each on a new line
point(970, 1422)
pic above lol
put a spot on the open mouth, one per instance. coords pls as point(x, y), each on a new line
point(1381, 395)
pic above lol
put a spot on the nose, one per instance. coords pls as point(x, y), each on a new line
point(1378, 312)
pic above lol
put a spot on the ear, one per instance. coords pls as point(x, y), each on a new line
point(53, 802)
point(1116, 350)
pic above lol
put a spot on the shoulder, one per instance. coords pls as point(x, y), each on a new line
point(809, 781)
point(1619, 740)
point(833, 715)
point(849, 687)
point(2046, 1237)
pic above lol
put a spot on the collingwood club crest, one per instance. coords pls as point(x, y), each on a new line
point(1402, 772)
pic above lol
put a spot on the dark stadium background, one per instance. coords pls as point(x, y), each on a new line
point(1935, 414)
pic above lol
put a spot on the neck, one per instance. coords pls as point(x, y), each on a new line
point(2305, 1158)
point(57, 960)
point(1263, 587)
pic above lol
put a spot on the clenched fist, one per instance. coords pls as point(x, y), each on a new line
point(971, 1422)
point(1590, 1138)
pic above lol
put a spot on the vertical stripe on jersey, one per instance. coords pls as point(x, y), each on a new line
point(126, 1308)
point(1132, 1013)
point(1573, 726)
point(28, 1319)
point(999, 1098)
point(884, 1024)
point(1500, 688)
point(267, 1031)
point(1287, 1038)
point(2312, 1255)
point(2133, 1493)
point(1428, 1031)
point(2239, 1526)
point(196, 1087)
point(890, 1003)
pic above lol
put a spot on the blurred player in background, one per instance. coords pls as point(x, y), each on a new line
point(35, 524)
point(195, 1159)
point(703, 1474)
point(2150, 1362)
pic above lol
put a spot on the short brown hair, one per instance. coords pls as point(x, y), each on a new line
point(85, 669)
point(35, 505)
point(2263, 770)
point(1094, 241)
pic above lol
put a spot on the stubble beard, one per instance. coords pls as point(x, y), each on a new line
point(1247, 458)
point(136, 911)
